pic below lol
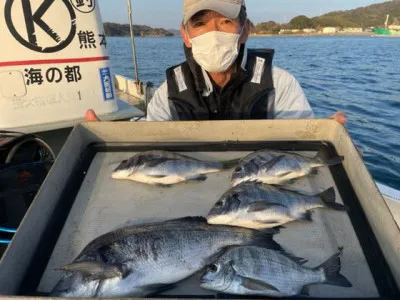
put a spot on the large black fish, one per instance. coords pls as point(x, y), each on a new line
point(141, 260)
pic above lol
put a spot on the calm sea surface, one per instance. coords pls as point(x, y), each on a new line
point(360, 75)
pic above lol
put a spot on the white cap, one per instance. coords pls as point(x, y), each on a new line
point(227, 8)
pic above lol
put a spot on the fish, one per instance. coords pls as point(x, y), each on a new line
point(259, 271)
point(278, 167)
point(147, 259)
point(167, 168)
point(260, 206)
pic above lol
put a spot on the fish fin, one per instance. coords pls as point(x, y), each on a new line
point(305, 291)
point(272, 162)
point(265, 239)
point(328, 197)
point(332, 271)
point(162, 185)
point(230, 163)
point(190, 220)
point(291, 181)
point(273, 230)
point(197, 178)
point(298, 260)
point(322, 161)
point(155, 162)
point(307, 216)
point(279, 228)
point(256, 285)
point(155, 289)
point(96, 270)
point(262, 205)
point(270, 222)
point(157, 176)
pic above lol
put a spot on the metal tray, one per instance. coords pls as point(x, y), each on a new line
point(79, 201)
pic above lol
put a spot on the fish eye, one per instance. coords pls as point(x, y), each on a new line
point(235, 196)
point(238, 169)
point(213, 268)
point(219, 204)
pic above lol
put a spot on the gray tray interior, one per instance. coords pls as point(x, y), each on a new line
point(104, 204)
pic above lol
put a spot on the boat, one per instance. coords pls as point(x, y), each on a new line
point(79, 202)
point(392, 30)
point(46, 86)
point(386, 32)
point(392, 197)
point(129, 102)
point(57, 66)
point(131, 95)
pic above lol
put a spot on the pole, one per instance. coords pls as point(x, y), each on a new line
point(133, 40)
point(387, 22)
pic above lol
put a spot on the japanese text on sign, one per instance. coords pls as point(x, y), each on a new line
point(106, 82)
point(84, 6)
point(87, 39)
point(39, 76)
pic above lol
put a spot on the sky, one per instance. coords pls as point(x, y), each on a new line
point(168, 13)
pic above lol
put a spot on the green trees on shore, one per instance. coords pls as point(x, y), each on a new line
point(364, 17)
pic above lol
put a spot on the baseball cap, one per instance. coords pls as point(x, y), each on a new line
point(227, 8)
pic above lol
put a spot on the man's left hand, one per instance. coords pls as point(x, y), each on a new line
point(91, 116)
point(340, 117)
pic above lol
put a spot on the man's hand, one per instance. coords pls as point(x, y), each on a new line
point(91, 116)
point(340, 117)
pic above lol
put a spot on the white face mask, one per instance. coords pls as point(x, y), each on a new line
point(216, 51)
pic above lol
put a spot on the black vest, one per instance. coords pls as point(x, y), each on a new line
point(244, 97)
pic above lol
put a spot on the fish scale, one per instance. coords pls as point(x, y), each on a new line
point(140, 260)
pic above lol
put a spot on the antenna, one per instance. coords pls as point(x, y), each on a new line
point(133, 42)
point(387, 22)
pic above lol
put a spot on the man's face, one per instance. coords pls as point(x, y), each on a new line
point(208, 20)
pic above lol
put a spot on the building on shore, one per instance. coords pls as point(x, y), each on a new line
point(352, 29)
point(329, 30)
point(309, 30)
point(289, 31)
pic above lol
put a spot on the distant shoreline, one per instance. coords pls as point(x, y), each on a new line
point(359, 34)
point(338, 34)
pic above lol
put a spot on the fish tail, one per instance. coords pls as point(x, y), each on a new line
point(229, 164)
point(321, 160)
point(332, 271)
point(328, 198)
point(265, 239)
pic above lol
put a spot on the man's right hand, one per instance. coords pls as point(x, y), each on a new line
point(91, 116)
point(340, 116)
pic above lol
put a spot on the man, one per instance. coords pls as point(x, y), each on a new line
point(221, 79)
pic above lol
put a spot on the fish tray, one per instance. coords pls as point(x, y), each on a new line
point(79, 202)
